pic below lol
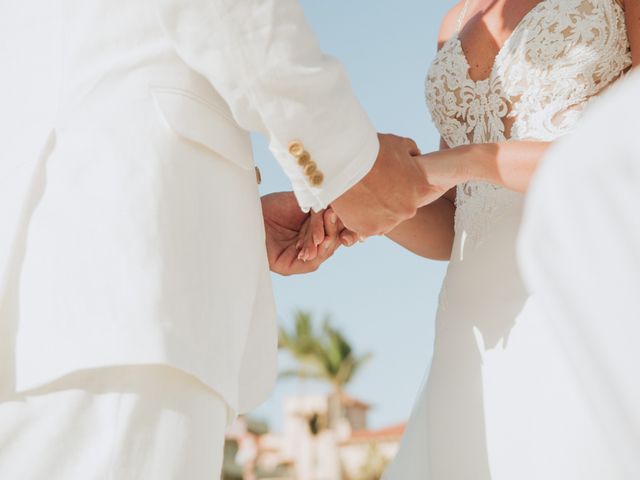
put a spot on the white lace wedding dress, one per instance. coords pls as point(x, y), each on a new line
point(499, 402)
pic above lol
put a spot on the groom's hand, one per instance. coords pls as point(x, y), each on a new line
point(297, 242)
point(389, 194)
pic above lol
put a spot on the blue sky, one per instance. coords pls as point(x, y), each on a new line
point(383, 297)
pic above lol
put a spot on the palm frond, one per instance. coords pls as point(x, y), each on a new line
point(326, 354)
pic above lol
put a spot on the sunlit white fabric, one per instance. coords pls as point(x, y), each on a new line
point(580, 258)
point(131, 228)
point(500, 401)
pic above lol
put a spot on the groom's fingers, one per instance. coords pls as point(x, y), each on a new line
point(330, 224)
point(317, 227)
point(302, 235)
point(347, 237)
point(303, 240)
point(330, 241)
point(325, 253)
point(314, 237)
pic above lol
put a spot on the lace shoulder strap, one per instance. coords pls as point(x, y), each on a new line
point(463, 16)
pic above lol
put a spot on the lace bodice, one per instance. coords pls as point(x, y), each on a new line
point(561, 55)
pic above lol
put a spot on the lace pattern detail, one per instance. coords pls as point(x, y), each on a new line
point(561, 55)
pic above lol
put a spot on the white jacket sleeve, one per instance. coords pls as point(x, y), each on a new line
point(263, 58)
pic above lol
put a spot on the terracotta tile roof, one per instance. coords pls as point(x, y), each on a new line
point(393, 432)
point(349, 401)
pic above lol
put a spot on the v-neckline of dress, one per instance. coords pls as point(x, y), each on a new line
point(502, 49)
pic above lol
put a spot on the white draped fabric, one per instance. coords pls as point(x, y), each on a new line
point(500, 401)
point(580, 255)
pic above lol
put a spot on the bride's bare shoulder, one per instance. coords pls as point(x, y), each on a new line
point(448, 27)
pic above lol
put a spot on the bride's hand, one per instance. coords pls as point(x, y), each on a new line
point(322, 232)
point(314, 235)
point(443, 170)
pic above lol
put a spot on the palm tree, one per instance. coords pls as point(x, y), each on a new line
point(326, 355)
point(375, 464)
point(300, 341)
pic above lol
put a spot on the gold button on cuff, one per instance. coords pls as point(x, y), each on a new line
point(310, 168)
point(304, 158)
point(296, 148)
point(258, 176)
point(317, 179)
point(315, 176)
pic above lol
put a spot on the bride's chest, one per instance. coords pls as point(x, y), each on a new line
point(561, 54)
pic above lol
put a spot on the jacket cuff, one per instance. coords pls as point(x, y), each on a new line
point(357, 168)
point(340, 172)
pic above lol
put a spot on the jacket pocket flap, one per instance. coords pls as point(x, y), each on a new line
point(197, 120)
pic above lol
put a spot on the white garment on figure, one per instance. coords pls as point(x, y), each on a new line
point(118, 423)
point(131, 227)
point(580, 256)
point(489, 407)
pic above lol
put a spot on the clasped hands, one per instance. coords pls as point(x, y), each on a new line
point(400, 182)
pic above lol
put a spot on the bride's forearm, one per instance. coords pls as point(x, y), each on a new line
point(430, 233)
point(509, 164)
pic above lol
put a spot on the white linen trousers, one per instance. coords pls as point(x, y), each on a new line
point(116, 423)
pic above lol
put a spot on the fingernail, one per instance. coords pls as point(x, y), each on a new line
point(333, 218)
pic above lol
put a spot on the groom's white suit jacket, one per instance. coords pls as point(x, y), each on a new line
point(131, 228)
